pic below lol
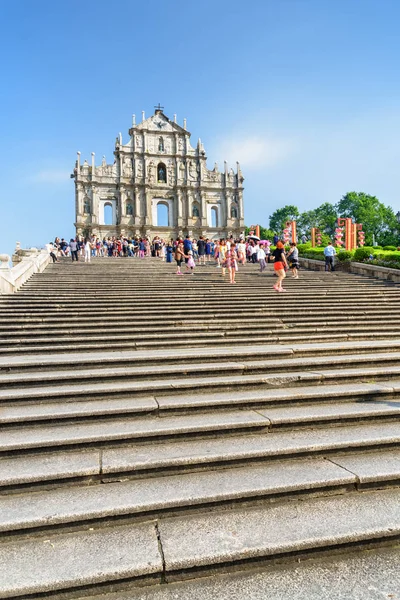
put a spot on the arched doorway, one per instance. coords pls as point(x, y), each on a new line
point(162, 212)
point(162, 215)
point(213, 216)
point(108, 214)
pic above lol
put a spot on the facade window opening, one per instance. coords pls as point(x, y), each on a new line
point(160, 144)
point(234, 212)
point(86, 206)
point(161, 173)
point(108, 214)
point(129, 209)
point(195, 211)
point(162, 215)
point(214, 217)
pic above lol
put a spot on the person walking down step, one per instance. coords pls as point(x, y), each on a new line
point(329, 253)
point(293, 258)
point(280, 263)
point(261, 258)
point(231, 262)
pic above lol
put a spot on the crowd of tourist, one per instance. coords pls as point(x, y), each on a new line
point(226, 254)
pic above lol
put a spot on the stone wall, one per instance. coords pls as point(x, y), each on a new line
point(354, 267)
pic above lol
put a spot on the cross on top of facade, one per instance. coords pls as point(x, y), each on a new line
point(159, 107)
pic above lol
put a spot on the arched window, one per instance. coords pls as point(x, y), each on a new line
point(195, 211)
point(86, 206)
point(108, 214)
point(161, 173)
point(160, 144)
point(129, 209)
point(234, 212)
point(214, 216)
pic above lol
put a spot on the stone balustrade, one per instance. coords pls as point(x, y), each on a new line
point(354, 267)
point(26, 262)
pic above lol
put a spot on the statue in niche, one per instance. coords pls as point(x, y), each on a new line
point(138, 140)
point(161, 173)
point(86, 206)
point(139, 169)
point(181, 170)
point(195, 211)
point(129, 209)
point(180, 144)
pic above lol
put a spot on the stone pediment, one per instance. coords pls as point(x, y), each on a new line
point(160, 123)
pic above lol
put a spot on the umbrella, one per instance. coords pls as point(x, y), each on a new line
point(253, 237)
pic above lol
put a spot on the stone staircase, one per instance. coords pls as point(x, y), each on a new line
point(158, 428)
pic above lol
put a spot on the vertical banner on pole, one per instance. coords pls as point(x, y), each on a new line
point(294, 232)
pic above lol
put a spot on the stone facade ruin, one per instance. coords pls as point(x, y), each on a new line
point(156, 168)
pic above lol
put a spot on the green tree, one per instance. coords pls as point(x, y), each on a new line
point(377, 219)
point(324, 217)
point(278, 219)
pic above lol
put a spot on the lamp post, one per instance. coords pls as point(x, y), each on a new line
point(398, 216)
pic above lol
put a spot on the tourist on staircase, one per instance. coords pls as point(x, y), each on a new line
point(73, 244)
point(293, 258)
point(280, 263)
point(329, 253)
point(231, 262)
point(88, 250)
point(179, 256)
point(261, 256)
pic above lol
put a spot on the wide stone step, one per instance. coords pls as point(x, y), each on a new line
point(178, 546)
point(153, 370)
point(112, 461)
point(172, 393)
point(219, 338)
point(370, 575)
point(46, 436)
point(291, 353)
point(159, 495)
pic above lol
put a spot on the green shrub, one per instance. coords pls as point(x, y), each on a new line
point(345, 255)
point(390, 248)
point(377, 247)
point(362, 254)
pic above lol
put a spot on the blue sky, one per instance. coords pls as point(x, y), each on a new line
point(304, 93)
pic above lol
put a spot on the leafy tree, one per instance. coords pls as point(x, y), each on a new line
point(324, 217)
point(377, 219)
point(278, 219)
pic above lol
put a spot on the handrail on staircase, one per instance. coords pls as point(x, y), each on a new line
point(25, 264)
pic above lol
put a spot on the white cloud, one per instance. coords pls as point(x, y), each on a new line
point(255, 152)
point(51, 176)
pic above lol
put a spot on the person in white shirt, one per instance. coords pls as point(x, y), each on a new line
point(261, 258)
point(88, 250)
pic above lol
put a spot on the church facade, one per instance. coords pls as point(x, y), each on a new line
point(158, 175)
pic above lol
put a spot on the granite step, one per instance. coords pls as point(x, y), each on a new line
point(258, 389)
point(178, 547)
point(128, 428)
point(331, 351)
point(154, 370)
point(54, 456)
point(172, 494)
point(371, 575)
